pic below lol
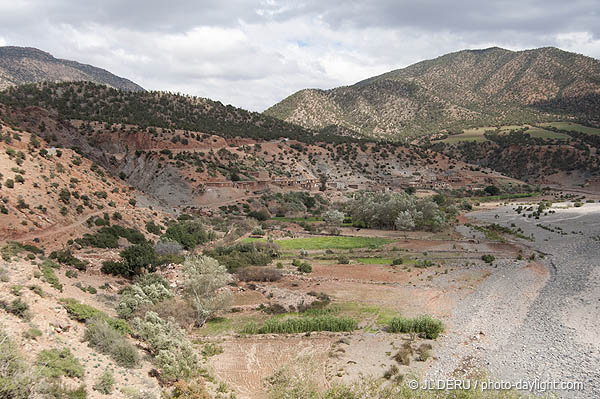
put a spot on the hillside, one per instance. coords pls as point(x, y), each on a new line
point(21, 65)
point(464, 89)
point(92, 102)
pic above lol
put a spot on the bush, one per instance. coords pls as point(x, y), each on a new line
point(18, 308)
point(344, 260)
point(488, 258)
point(245, 254)
point(188, 234)
point(261, 274)
point(148, 290)
point(305, 267)
point(56, 363)
point(397, 261)
point(153, 228)
point(50, 277)
point(137, 259)
point(16, 381)
point(102, 337)
point(426, 325)
point(82, 312)
point(105, 383)
point(303, 325)
point(174, 354)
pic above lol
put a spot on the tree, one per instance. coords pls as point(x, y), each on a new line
point(334, 217)
point(204, 277)
point(492, 190)
point(405, 221)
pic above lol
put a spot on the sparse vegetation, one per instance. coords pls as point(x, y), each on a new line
point(426, 325)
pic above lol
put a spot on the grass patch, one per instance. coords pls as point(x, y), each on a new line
point(375, 261)
point(425, 325)
point(294, 325)
point(332, 242)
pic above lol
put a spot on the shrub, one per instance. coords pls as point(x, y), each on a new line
point(16, 382)
point(83, 312)
point(105, 383)
point(146, 291)
point(426, 325)
point(488, 258)
point(153, 228)
point(65, 256)
point(174, 354)
point(50, 277)
point(303, 325)
point(56, 363)
point(9, 183)
point(137, 259)
point(102, 337)
point(397, 261)
point(344, 260)
point(32, 333)
point(305, 267)
point(261, 274)
point(245, 254)
point(17, 307)
point(188, 234)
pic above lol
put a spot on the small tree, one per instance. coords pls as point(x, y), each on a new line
point(204, 276)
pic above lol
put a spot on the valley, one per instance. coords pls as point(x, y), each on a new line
point(159, 245)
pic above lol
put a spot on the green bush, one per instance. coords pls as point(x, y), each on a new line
point(305, 267)
point(105, 339)
point(16, 381)
point(302, 325)
point(83, 312)
point(65, 256)
point(105, 383)
point(137, 259)
point(174, 354)
point(50, 277)
point(148, 290)
point(56, 363)
point(189, 234)
point(18, 308)
point(344, 260)
point(426, 325)
point(397, 261)
point(245, 254)
point(488, 258)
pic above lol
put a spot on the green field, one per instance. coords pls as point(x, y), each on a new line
point(546, 134)
point(332, 242)
point(375, 261)
point(475, 134)
point(574, 127)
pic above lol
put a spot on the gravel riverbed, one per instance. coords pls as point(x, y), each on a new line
point(534, 320)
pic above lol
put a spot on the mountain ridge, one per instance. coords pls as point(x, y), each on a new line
point(22, 65)
point(456, 90)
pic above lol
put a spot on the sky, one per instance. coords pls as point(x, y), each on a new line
point(252, 54)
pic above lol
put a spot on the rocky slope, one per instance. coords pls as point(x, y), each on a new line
point(21, 65)
point(467, 88)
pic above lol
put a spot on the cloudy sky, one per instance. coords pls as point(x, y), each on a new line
point(254, 53)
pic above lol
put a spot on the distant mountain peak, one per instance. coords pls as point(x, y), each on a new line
point(467, 88)
point(22, 65)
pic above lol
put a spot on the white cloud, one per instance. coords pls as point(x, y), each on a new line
point(254, 55)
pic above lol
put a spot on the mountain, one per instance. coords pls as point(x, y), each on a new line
point(20, 65)
point(463, 89)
